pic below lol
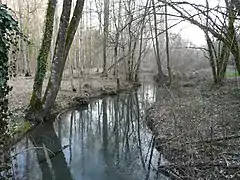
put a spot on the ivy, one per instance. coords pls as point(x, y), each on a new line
point(9, 34)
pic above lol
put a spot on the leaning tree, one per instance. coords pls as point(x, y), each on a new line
point(40, 106)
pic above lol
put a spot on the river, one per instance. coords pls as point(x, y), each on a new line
point(106, 140)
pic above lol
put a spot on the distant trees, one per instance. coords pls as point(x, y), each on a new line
point(218, 24)
point(26, 12)
point(115, 36)
point(123, 35)
point(24, 45)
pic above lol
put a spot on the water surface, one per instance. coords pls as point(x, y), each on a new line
point(106, 140)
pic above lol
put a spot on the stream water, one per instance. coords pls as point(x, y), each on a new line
point(106, 140)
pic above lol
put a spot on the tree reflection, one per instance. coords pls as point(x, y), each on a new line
point(108, 140)
point(116, 130)
point(53, 165)
point(105, 137)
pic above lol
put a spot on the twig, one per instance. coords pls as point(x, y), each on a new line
point(28, 149)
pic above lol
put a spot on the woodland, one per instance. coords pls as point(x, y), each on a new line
point(61, 54)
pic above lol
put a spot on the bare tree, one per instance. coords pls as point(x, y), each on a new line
point(105, 38)
point(220, 25)
point(161, 76)
point(167, 46)
point(23, 45)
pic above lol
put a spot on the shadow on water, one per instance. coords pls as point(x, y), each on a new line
point(106, 140)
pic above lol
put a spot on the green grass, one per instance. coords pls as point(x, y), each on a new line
point(232, 74)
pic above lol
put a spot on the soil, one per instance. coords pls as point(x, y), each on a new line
point(197, 130)
point(83, 89)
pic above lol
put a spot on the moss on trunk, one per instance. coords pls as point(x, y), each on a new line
point(36, 98)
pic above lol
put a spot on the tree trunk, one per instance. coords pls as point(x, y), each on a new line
point(105, 38)
point(167, 47)
point(23, 45)
point(58, 62)
point(36, 98)
point(232, 36)
point(161, 76)
point(129, 44)
point(26, 47)
point(141, 41)
point(211, 57)
point(64, 41)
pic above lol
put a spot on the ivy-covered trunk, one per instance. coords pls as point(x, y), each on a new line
point(4, 88)
point(36, 98)
point(8, 33)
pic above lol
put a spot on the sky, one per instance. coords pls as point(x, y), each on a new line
point(190, 32)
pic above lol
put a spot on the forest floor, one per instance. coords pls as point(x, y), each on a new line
point(85, 88)
point(197, 128)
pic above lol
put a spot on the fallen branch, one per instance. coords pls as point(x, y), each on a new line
point(219, 139)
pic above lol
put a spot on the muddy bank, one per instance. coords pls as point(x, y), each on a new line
point(197, 130)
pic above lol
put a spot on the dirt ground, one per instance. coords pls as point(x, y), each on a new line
point(198, 130)
point(86, 87)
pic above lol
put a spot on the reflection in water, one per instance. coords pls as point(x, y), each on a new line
point(50, 157)
point(107, 140)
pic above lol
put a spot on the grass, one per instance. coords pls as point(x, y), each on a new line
point(232, 74)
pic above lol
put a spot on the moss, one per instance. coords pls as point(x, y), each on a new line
point(35, 102)
point(19, 128)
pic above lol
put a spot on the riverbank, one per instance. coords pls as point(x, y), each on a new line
point(197, 130)
point(76, 140)
point(85, 89)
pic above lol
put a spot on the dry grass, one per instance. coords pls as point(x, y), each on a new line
point(198, 131)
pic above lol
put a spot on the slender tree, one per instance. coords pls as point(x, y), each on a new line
point(167, 46)
point(105, 38)
point(161, 76)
